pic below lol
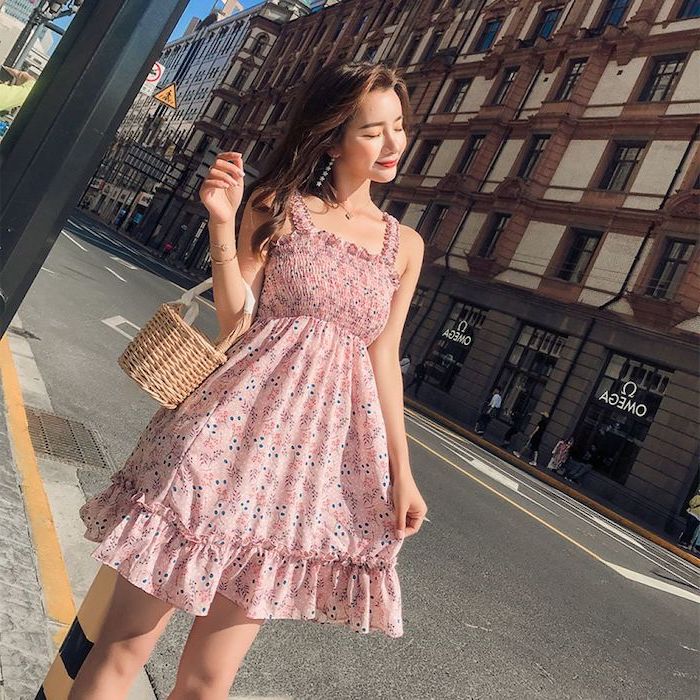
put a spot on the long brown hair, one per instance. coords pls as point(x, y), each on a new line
point(318, 121)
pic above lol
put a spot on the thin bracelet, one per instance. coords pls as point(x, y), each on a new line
point(224, 260)
point(223, 246)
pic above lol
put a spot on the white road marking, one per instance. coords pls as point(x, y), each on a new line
point(114, 321)
point(124, 262)
point(114, 273)
point(46, 269)
point(72, 240)
point(617, 531)
point(689, 648)
point(654, 583)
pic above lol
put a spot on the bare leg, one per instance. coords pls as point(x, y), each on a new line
point(214, 651)
point(133, 623)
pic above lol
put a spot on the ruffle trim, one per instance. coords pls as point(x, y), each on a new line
point(149, 546)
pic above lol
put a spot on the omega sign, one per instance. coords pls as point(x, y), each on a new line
point(459, 334)
point(624, 400)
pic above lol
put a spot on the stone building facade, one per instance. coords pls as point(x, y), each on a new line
point(554, 173)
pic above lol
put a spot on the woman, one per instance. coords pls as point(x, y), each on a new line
point(560, 455)
point(533, 442)
point(281, 488)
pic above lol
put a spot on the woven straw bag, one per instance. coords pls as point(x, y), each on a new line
point(169, 358)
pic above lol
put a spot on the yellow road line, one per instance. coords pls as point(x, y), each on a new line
point(509, 500)
point(53, 575)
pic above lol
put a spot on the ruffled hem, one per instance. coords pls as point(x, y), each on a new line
point(151, 548)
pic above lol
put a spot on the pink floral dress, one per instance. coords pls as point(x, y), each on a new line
point(270, 483)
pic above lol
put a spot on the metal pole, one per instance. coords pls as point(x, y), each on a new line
point(66, 124)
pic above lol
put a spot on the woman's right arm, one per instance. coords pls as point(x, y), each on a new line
point(228, 277)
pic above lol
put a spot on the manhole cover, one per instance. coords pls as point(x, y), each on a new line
point(65, 439)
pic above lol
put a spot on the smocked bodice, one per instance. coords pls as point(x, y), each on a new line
point(314, 272)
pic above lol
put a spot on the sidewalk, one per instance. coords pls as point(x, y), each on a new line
point(45, 563)
point(558, 483)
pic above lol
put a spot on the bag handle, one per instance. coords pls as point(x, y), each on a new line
point(188, 299)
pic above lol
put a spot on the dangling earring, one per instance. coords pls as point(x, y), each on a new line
point(325, 172)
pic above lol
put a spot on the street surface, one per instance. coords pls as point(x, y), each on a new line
point(510, 590)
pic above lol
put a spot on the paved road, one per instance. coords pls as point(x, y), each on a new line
point(511, 590)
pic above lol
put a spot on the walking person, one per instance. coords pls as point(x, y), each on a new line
point(488, 412)
point(418, 377)
point(516, 418)
point(532, 446)
point(560, 455)
point(281, 487)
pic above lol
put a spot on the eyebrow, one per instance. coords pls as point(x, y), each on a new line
point(365, 126)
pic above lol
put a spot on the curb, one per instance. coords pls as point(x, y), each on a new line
point(507, 456)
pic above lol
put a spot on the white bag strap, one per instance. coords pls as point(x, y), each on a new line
point(193, 307)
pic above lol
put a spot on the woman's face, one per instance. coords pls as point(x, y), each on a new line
point(374, 136)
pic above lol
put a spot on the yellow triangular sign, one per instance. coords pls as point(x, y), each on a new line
point(167, 96)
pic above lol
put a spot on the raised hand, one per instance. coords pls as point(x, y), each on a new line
point(221, 191)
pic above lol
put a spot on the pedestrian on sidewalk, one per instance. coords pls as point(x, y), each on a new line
point(418, 377)
point(489, 410)
point(532, 446)
point(516, 418)
point(560, 455)
point(227, 507)
point(691, 532)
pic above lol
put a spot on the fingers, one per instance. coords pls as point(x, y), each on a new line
point(228, 167)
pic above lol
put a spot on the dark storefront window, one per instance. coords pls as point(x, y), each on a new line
point(524, 375)
point(619, 414)
point(572, 75)
point(452, 344)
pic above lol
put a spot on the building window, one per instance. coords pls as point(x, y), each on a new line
point(433, 44)
point(475, 143)
point(260, 44)
point(298, 72)
point(361, 23)
point(452, 344)
point(578, 258)
point(622, 164)
point(524, 375)
point(488, 35)
point(240, 79)
point(619, 415)
point(424, 159)
point(419, 297)
point(663, 78)
point(488, 245)
point(416, 38)
point(670, 269)
point(613, 13)
point(573, 73)
point(507, 81)
point(689, 8)
point(547, 24)
point(371, 53)
point(537, 146)
point(338, 29)
point(456, 95)
point(432, 219)
point(398, 209)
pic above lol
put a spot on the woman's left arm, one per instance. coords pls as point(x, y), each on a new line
point(384, 356)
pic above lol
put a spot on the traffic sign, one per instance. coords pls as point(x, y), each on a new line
point(153, 78)
point(167, 96)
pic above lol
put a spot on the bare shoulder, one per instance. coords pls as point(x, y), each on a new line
point(411, 247)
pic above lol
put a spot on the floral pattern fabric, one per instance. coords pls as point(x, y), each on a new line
point(270, 483)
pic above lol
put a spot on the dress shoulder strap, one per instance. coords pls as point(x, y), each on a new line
point(391, 239)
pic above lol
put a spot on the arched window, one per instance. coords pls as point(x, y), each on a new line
point(260, 43)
